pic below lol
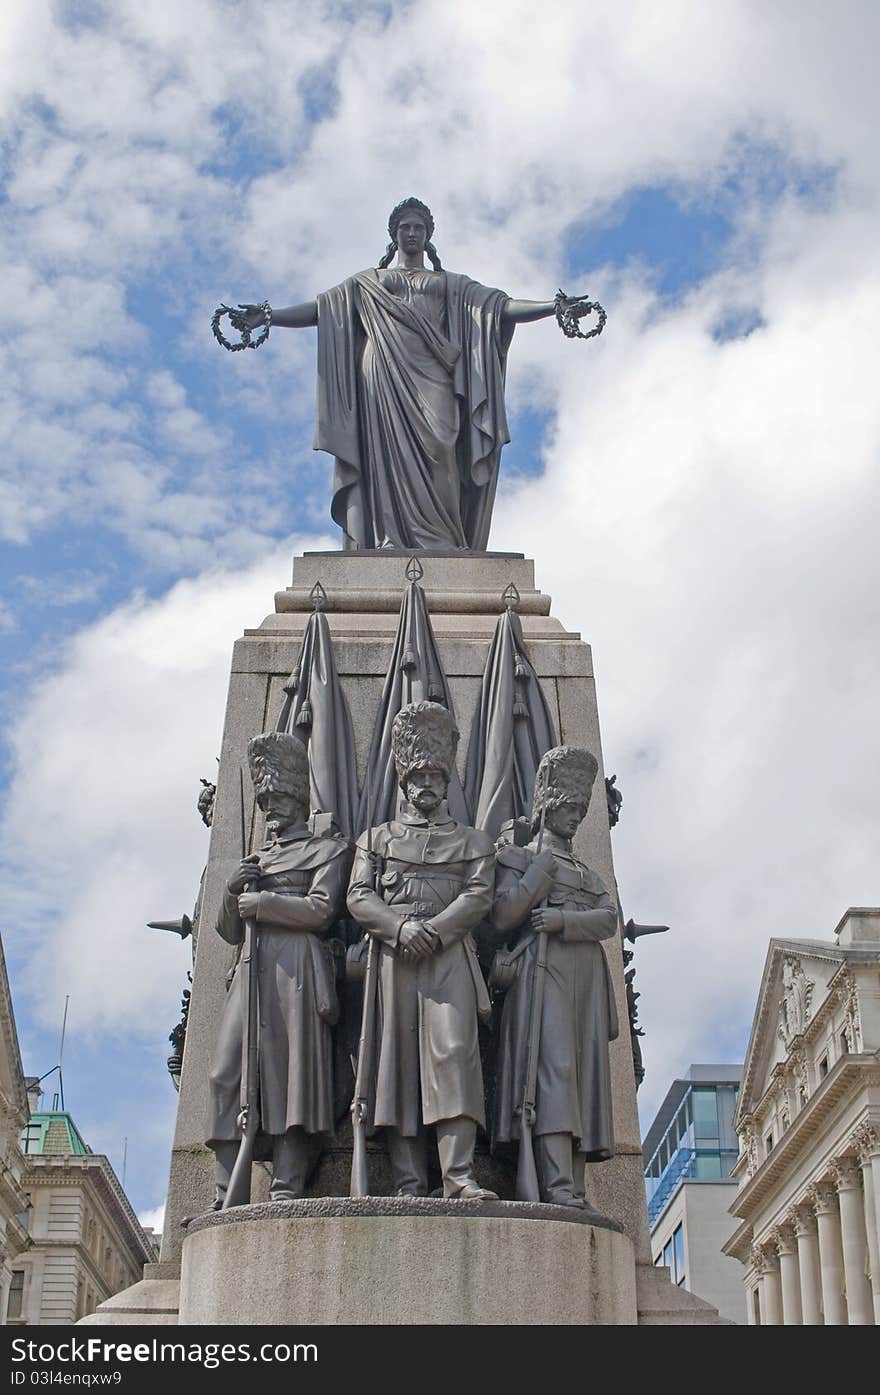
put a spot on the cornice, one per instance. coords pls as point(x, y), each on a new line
point(50, 1170)
point(848, 1074)
point(739, 1245)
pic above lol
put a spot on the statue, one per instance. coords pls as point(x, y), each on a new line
point(420, 884)
point(558, 911)
point(411, 365)
point(290, 894)
point(614, 799)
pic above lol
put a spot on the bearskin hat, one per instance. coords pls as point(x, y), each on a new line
point(279, 761)
point(423, 737)
point(565, 776)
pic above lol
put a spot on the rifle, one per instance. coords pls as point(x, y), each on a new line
point(360, 1181)
point(238, 1190)
point(527, 1188)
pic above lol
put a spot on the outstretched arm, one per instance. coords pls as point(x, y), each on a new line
point(521, 312)
point(291, 317)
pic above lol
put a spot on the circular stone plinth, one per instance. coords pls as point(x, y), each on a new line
point(385, 1261)
point(339, 1206)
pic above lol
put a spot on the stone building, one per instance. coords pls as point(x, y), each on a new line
point(86, 1242)
point(69, 1238)
point(13, 1117)
point(809, 1131)
point(689, 1151)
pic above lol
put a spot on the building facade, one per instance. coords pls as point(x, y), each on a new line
point(69, 1238)
point(13, 1116)
point(808, 1122)
point(689, 1152)
point(85, 1241)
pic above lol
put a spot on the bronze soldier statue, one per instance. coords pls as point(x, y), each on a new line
point(291, 893)
point(419, 885)
point(555, 911)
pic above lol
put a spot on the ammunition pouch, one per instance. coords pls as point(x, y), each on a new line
point(356, 960)
point(506, 966)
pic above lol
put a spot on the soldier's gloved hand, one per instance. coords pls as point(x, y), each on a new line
point(546, 862)
point(248, 904)
point(248, 870)
point(549, 919)
point(415, 941)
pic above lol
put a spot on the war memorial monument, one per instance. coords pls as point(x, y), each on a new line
point(408, 1092)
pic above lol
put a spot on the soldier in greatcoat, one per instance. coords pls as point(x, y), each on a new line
point(420, 884)
point(550, 890)
point(294, 891)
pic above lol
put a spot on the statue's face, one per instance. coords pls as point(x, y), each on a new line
point(566, 819)
point(426, 789)
point(280, 807)
point(412, 233)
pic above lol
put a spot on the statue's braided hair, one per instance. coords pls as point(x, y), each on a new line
point(394, 223)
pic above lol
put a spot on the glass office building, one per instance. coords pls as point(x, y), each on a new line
point(692, 1138)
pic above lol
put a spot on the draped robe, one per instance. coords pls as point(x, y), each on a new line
point(411, 404)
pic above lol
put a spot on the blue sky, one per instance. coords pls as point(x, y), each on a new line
point(696, 487)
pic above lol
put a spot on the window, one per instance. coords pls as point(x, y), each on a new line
point(705, 1107)
point(844, 1044)
point(30, 1138)
point(16, 1294)
point(768, 1144)
point(667, 1255)
point(678, 1252)
point(823, 1067)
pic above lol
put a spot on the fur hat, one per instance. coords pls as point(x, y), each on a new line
point(565, 776)
point(423, 737)
point(279, 761)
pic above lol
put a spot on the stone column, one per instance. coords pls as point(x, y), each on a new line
point(750, 1304)
point(808, 1264)
point(789, 1273)
point(866, 1140)
point(859, 1299)
point(824, 1200)
point(767, 1265)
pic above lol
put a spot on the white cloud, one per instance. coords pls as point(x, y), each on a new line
point(153, 1219)
point(107, 751)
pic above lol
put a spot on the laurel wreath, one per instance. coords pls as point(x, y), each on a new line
point(237, 320)
point(568, 319)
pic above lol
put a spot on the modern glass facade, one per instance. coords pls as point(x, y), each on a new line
point(698, 1141)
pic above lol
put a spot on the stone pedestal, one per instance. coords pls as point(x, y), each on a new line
point(369, 1261)
point(363, 596)
point(406, 1260)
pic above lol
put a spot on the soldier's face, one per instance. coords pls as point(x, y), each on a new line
point(426, 789)
point(565, 819)
point(283, 808)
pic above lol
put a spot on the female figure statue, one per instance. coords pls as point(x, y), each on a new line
point(411, 366)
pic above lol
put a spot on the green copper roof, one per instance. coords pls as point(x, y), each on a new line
point(52, 1133)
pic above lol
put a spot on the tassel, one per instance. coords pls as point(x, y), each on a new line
point(520, 711)
point(291, 685)
point(436, 694)
point(409, 660)
point(304, 716)
point(519, 667)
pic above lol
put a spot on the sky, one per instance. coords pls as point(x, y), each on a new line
point(698, 488)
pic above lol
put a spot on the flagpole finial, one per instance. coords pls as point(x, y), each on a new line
point(510, 597)
point(318, 597)
point(414, 569)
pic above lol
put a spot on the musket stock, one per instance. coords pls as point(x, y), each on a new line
point(527, 1186)
point(238, 1190)
point(360, 1181)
